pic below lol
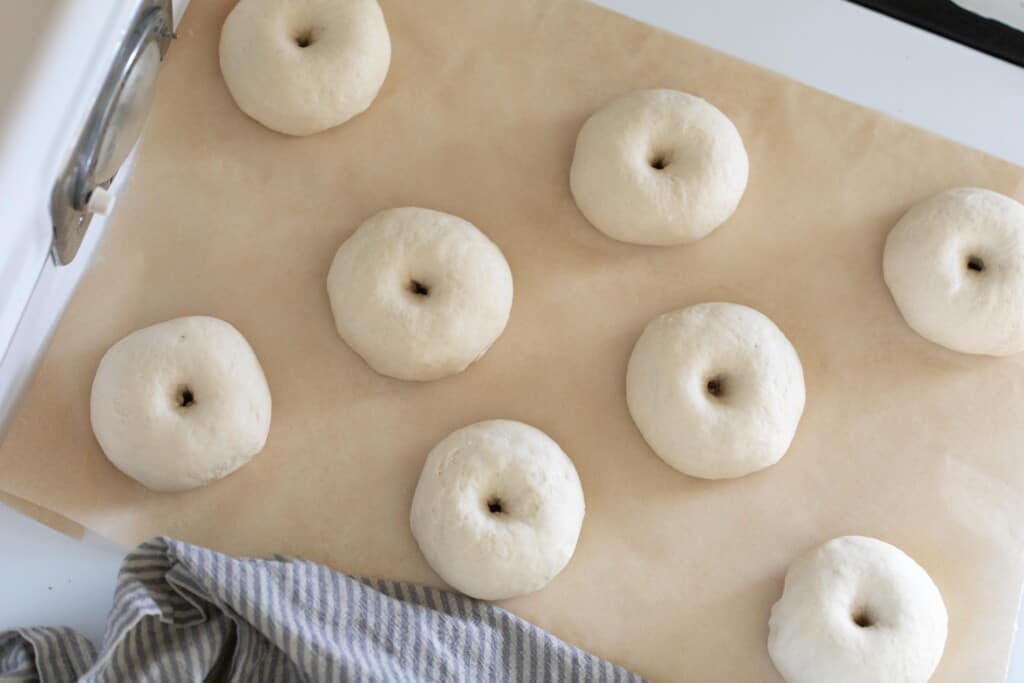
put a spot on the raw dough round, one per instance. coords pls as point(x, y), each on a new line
point(419, 294)
point(857, 609)
point(498, 509)
point(658, 167)
point(180, 403)
point(716, 389)
point(955, 266)
point(305, 66)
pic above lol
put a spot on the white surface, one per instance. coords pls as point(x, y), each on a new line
point(864, 57)
point(54, 580)
point(830, 44)
point(49, 95)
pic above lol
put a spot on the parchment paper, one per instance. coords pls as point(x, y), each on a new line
point(673, 576)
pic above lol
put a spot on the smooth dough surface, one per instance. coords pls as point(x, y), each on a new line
point(419, 294)
point(857, 609)
point(303, 66)
point(715, 389)
point(180, 403)
point(498, 509)
point(658, 167)
point(955, 266)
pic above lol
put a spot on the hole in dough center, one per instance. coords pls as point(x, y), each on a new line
point(659, 162)
point(863, 618)
point(494, 505)
point(716, 386)
point(975, 263)
point(305, 38)
point(185, 397)
point(418, 288)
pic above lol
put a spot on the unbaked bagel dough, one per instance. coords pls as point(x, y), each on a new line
point(180, 403)
point(857, 609)
point(955, 266)
point(715, 389)
point(419, 294)
point(303, 66)
point(658, 167)
point(498, 509)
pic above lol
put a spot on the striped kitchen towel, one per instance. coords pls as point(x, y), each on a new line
point(184, 613)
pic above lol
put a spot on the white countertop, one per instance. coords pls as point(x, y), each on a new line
point(830, 44)
point(864, 57)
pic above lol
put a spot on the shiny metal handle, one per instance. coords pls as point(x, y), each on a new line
point(113, 127)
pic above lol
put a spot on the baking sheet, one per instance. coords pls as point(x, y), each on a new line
point(44, 516)
point(673, 577)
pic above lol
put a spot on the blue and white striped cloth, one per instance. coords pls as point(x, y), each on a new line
point(184, 613)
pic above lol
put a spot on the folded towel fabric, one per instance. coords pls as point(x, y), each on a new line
point(185, 613)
